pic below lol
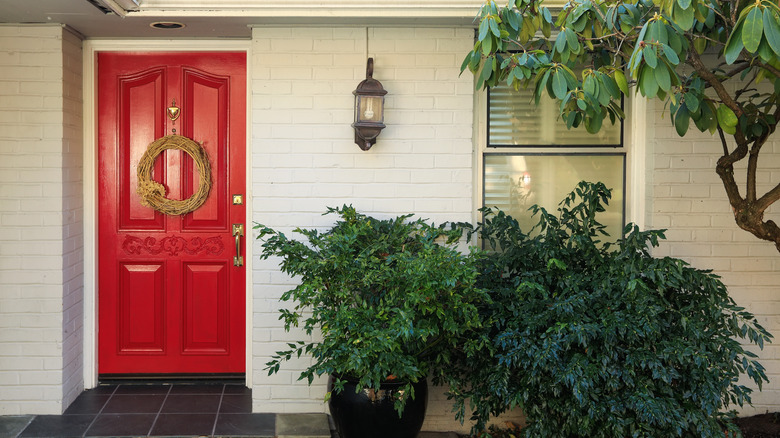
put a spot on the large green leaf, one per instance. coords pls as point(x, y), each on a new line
point(676, 41)
point(546, 28)
point(682, 120)
point(514, 19)
point(683, 17)
point(609, 84)
point(647, 82)
point(581, 23)
point(644, 30)
point(475, 60)
point(589, 85)
point(466, 62)
point(662, 77)
point(560, 43)
point(620, 79)
point(487, 70)
point(635, 61)
point(727, 119)
point(753, 29)
point(734, 44)
point(772, 30)
point(571, 39)
point(487, 46)
point(765, 52)
point(700, 44)
point(602, 96)
point(542, 77)
point(593, 124)
point(707, 119)
point(494, 27)
point(692, 102)
point(484, 28)
point(547, 15)
point(671, 56)
point(650, 57)
point(559, 85)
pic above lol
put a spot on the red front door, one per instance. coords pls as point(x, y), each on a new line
point(170, 298)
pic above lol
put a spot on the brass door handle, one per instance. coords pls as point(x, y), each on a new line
point(238, 231)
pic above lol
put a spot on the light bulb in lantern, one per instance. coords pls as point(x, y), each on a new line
point(369, 112)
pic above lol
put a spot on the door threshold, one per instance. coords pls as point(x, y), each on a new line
point(170, 379)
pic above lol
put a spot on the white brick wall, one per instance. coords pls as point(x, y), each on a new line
point(40, 219)
point(689, 200)
point(304, 157)
point(72, 221)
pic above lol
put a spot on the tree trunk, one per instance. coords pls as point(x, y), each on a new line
point(748, 210)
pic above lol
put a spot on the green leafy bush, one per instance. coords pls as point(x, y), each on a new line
point(390, 299)
point(600, 340)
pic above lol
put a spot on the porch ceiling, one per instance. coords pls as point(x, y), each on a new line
point(230, 18)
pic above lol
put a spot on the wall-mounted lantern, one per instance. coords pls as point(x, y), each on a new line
point(369, 109)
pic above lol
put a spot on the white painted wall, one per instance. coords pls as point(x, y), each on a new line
point(72, 220)
point(688, 199)
point(40, 219)
point(304, 157)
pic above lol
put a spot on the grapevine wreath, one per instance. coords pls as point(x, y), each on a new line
point(153, 193)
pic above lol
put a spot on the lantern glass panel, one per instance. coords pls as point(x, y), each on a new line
point(369, 109)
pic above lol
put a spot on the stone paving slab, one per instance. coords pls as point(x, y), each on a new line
point(13, 425)
point(302, 426)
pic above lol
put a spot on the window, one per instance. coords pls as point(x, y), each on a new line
point(530, 158)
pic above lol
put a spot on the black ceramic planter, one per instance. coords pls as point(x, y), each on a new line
point(368, 413)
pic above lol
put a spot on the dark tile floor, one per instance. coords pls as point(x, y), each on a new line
point(157, 410)
point(177, 410)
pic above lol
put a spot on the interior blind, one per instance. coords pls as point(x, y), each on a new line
point(514, 120)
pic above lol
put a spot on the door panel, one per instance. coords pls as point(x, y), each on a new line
point(207, 95)
point(137, 93)
point(170, 298)
point(206, 309)
point(141, 313)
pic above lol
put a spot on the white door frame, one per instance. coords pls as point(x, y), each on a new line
point(90, 50)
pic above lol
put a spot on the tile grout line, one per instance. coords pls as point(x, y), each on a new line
point(29, 422)
point(100, 411)
point(219, 406)
point(156, 417)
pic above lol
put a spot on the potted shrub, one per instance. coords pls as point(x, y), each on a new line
point(600, 340)
point(389, 299)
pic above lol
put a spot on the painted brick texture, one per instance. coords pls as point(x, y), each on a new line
point(72, 221)
point(689, 200)
point(40, 219)
point(304, 157)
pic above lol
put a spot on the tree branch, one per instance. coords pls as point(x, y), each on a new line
point(768, 67)
point(768, 199)
point(695, 61)
point(738, 69)
point(725, 169)
point(750, 195)
point(717, 12)
point(723, 142)
point(773, 195)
